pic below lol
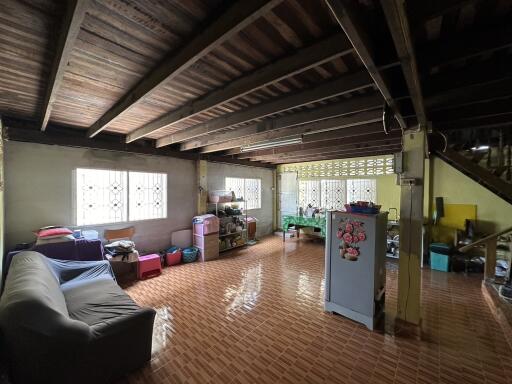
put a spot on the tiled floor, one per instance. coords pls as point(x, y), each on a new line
point(256, 316)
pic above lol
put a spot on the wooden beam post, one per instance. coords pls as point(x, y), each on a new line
point(398, 23)
point(411, 227)
point(73, 18)
point(236, 18)
point(490, 259)
point(356, 29)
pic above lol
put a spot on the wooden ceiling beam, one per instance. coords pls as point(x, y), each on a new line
point(469, 112)
point(346, 132)
point(481, 73)
point(354, 120)
point(355, 28)
point(236, 18)
point(340, 141)
point(302, 60)
point(398, 23)
point(362, 146)
point(465, 45)
point(74, 15)
point(231, 160)
point(425, 10)
point(504, 120)
point(26, 131)
point(342, 85)
point(470, 95)
point(340, 108)
point(342, 155)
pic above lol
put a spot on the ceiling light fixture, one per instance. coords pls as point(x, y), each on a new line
point(271, 144)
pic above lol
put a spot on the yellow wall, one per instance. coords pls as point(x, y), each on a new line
point(493, 213)
point(388, 194)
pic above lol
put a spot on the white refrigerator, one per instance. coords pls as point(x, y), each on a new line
point(355, 272)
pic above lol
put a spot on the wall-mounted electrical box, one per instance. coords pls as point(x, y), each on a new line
point(398, 162)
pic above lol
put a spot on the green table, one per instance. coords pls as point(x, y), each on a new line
point(302, 222)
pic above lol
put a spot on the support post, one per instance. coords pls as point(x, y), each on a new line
point(490, 259)
point(274, 200)
point(202, 186)
point(411, 224)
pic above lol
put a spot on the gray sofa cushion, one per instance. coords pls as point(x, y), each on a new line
point(98, 301)
point(70, 323)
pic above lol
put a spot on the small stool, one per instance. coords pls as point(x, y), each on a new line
point(149, 266)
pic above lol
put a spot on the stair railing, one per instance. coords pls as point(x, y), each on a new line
point(490, 243)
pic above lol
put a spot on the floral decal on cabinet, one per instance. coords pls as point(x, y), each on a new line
point(351, 233)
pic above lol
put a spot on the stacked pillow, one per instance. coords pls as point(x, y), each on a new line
point(53, 234)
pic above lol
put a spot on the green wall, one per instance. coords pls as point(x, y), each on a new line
point(493, 213)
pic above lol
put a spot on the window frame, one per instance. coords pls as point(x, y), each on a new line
point(165, 195)
point(127, 221)
point(321, 190)
point(260, 195)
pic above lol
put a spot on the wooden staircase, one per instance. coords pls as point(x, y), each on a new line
point(481, 167)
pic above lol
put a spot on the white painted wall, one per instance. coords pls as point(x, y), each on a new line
point(39, 190)
point(217, 172)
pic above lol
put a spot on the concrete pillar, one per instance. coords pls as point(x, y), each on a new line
point(411, 225)
point(202, 183)
point(275, 224)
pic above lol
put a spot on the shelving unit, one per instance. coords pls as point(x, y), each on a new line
point(224, 219)
point(393, 230)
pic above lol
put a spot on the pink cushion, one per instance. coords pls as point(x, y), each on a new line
point(54, 232)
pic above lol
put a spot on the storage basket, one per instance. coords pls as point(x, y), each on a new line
point(173, 256)
point(190, 254)
point(220, 196)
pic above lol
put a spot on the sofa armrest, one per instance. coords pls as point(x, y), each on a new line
point(67, 270)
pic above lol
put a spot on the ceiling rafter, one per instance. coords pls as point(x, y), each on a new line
point(398, 23)
point(342, 85)
point(75, 13)
point(319, 53)
point(344, 107)
point(350, 20)
point(353, 120)
point(236, 18)
point(377, 145)
point(340, 141)
point(335, 155)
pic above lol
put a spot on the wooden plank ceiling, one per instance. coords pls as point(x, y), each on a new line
point(204, 78)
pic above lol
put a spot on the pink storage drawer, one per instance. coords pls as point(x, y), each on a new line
point(209, 225)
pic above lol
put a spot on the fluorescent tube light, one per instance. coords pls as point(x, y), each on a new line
point(271, 144)
point(481, 148)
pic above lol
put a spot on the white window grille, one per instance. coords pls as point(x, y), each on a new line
point(101, 196)
point(361, 190)
point(249, 189)
point(148, 195)
point(309, 193)
point(373, 166)
point(333, 194)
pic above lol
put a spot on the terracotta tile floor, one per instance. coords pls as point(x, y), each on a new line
point(256, 316)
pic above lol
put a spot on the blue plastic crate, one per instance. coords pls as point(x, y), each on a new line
point(439, 262)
